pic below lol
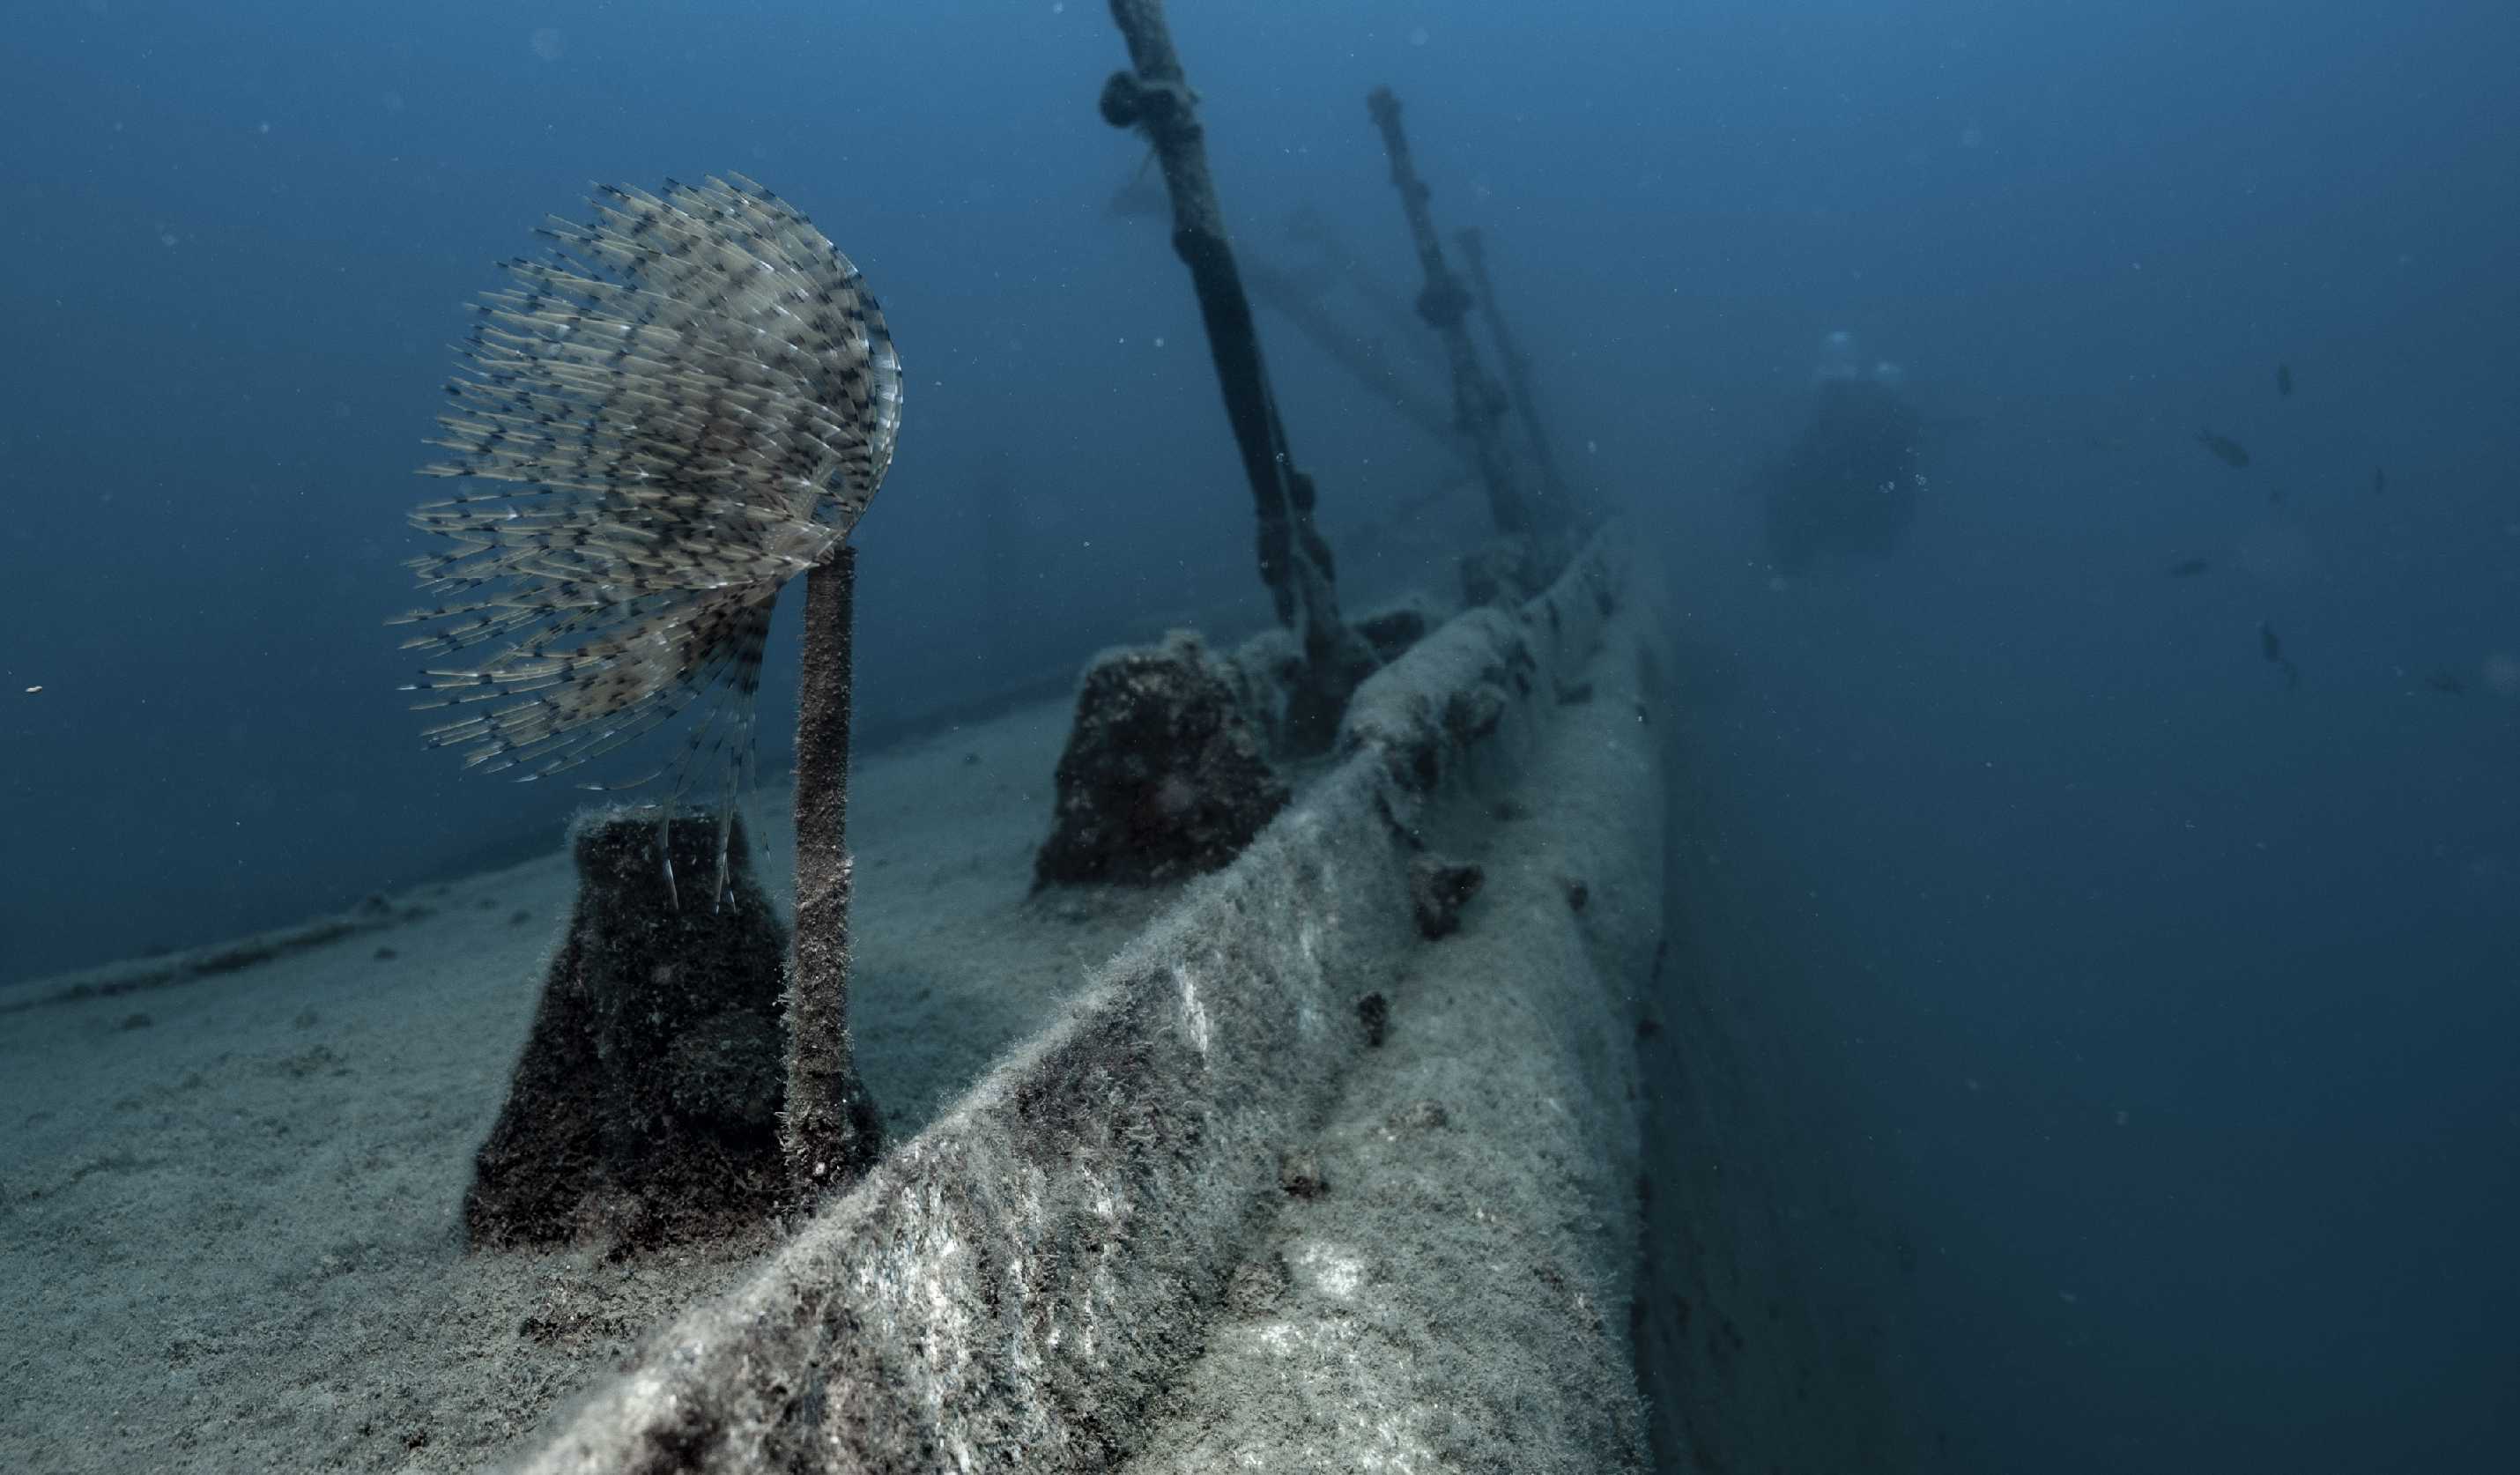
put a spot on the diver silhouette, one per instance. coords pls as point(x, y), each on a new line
point(1848, 484)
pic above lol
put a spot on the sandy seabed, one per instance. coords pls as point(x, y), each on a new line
point(229, 1206)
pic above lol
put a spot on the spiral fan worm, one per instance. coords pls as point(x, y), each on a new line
point(687, 404)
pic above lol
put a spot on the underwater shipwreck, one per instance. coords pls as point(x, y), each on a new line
point(1267, 1071)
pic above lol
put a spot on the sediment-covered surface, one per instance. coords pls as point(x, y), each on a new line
point(1042, 1279)
point(1261, 1172)
point(230, 1233)
point(1445, 1285)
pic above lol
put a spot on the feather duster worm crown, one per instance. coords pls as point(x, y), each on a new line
point(691, 403)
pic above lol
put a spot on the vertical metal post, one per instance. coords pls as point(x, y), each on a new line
point(1517, 373)
point(1294, 559)
point(832, 1132)
point(1478, 403)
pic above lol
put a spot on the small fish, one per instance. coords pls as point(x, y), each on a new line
point(2379, 481)
point(2447, 684)
point(2226, 450)
point(2272, 647)
point(2188, 568)
point(2279, 497)
point(2283, 379)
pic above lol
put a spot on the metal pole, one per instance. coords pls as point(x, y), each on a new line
point(832, 1132)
